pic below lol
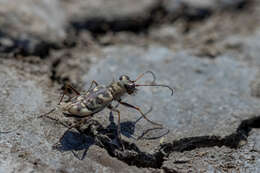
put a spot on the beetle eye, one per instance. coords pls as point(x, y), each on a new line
point(124, 77)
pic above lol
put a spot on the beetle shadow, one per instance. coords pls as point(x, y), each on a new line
point(76, 142)
point(127, 128)
point(79, 142)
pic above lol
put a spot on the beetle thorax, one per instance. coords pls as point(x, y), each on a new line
point(117, 89)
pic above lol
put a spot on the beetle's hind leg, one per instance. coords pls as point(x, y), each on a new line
point(66, 124)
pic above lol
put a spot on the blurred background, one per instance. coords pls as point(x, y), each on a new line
point(208, 50)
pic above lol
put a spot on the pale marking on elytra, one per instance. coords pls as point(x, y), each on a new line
point(82, 105)
point(85, 111)
point(95, 89)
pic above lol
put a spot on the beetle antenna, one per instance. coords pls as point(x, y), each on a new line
point(161, 85)
point(142, 74)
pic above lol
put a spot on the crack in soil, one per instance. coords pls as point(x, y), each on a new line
point(232, 141)
point(132, 155)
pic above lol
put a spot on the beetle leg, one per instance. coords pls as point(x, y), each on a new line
point(139, 110)
point(93, 82)
point(54, 119)
point(66, 88)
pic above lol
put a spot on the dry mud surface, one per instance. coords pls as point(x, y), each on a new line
point(207, 50)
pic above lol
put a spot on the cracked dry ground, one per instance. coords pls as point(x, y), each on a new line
point(208, 53)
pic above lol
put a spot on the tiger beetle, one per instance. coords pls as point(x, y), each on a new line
point(96, 99)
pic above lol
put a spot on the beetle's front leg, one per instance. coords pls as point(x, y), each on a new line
point(140, 111)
